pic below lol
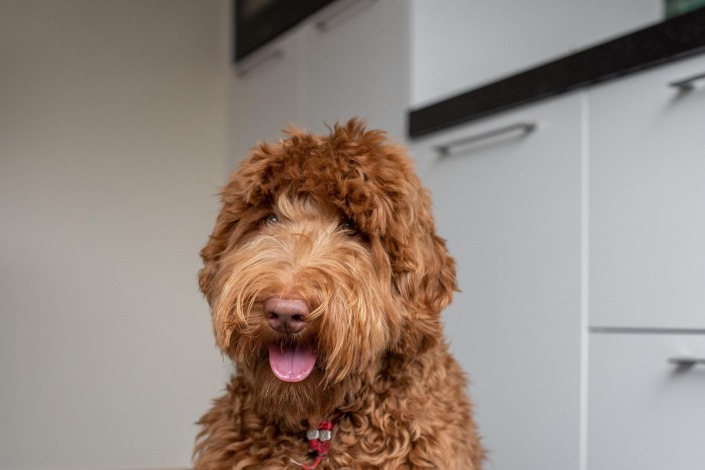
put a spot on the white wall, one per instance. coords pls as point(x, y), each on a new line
point(112, 147)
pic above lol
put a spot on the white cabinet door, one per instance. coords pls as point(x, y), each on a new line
point(647, 200)
point(356, 65)
point(462, 44)
point(510, 209)
point(644, 412)
point(350, 59)
point(264, 95)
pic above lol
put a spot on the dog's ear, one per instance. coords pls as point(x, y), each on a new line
point(210, 254)
point(218, 241)
point(425, 280)
point(242, 207)
point(394, 209)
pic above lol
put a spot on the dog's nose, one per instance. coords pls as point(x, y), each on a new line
point(286, 315)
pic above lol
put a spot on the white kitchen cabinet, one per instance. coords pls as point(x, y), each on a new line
point(356, 65)
point(347, 60)
point(647, 270)
point(647, 200)
point(645, 412)
point(509, 205)
point(458, 45)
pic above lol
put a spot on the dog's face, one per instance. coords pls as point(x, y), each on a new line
point(324, 258)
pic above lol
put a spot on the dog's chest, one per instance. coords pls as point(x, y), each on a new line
point(346, 449)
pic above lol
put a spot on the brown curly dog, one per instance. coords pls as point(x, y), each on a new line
point(326, 281)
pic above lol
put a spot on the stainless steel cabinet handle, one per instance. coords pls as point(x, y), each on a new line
point(687, 84)
point(249, 64)
point(686, 361)
point(339, 11)
point(523, 128)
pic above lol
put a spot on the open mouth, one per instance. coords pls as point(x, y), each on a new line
point(291, 362)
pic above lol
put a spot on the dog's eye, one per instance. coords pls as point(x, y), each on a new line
point(272, 219)
point(349, 227)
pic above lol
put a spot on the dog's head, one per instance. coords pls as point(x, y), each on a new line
point(324, 258)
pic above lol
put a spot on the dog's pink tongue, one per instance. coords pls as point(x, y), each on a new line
point(291, 364)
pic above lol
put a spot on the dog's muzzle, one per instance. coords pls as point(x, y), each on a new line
point(290, 362)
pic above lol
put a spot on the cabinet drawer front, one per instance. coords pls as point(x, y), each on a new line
point(645, 412)
point(647, 199)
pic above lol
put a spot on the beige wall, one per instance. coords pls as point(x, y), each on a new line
point(112, 146)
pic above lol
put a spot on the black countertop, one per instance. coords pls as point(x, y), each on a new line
point(672, 39)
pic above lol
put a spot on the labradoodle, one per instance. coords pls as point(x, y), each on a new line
point(326, 281)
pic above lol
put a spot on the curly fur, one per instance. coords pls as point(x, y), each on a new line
point(343, 223)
